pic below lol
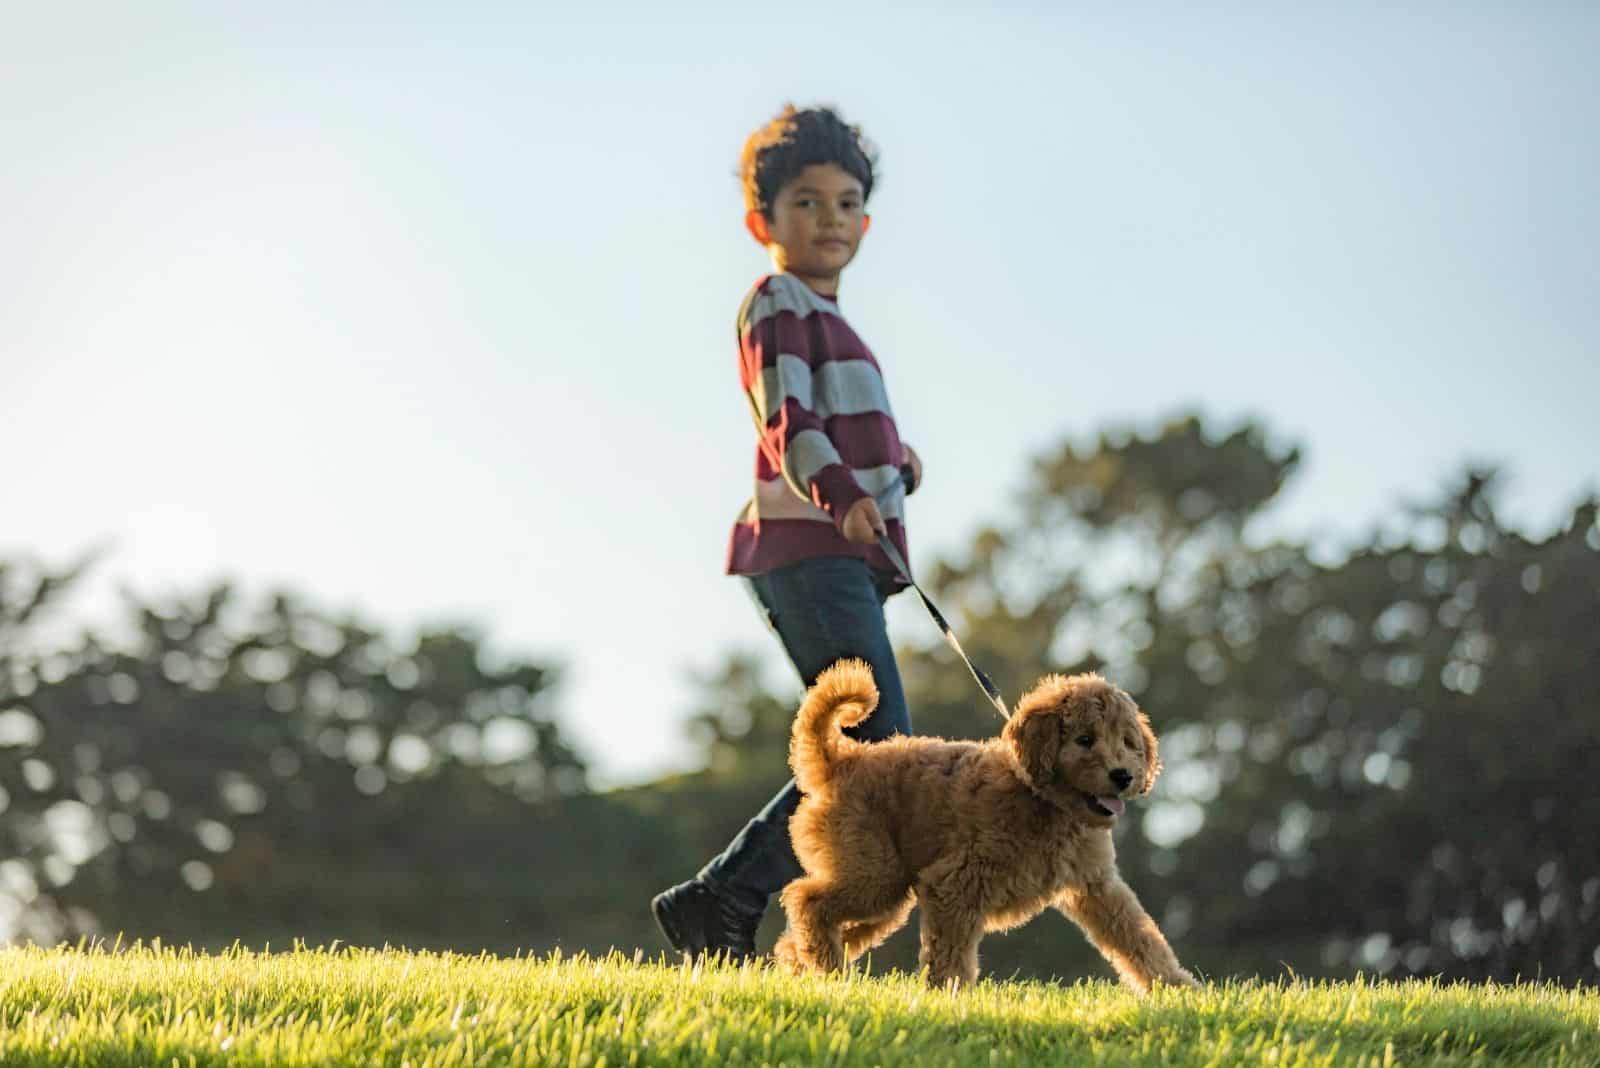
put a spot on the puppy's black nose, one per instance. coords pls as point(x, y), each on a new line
point(1121, 777)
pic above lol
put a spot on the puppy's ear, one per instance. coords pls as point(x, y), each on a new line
point(1152, 752)
point(1035, 737)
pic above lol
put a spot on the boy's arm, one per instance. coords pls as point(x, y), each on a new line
point(776, 367)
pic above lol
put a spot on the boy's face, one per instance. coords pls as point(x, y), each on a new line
point(817, 221)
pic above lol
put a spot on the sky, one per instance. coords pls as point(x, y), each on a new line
point(425, 310)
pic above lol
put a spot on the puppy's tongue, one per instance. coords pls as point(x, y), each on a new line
point(1113, 805)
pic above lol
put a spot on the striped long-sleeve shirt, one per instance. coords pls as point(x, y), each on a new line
point(827, 434)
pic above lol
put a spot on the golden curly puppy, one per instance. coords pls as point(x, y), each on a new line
point(984, 836)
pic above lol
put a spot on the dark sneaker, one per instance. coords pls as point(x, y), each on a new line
point(697, 921)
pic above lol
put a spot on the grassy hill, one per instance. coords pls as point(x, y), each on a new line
point(154, 1006)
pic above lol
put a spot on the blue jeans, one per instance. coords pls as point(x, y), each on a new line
point(823, 609)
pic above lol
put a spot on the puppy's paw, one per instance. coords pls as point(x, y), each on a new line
point(786, 954)
point(949, 982)
point(1179, 978)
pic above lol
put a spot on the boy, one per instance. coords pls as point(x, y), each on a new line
point(829, 470)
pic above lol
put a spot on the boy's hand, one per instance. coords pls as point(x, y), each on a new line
point(916, 467)
point(863, 522)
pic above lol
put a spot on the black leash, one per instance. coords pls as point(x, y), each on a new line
point(990, 690)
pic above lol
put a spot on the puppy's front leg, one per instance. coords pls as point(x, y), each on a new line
point(951, 931)
point(1124, 933)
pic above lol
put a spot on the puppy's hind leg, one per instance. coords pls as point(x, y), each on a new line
point(832, 923)
point(866, 934)
point(813, 941)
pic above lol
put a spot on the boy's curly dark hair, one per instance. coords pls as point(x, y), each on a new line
point(781, 149)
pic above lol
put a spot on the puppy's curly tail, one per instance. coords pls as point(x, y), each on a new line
point(844, 694)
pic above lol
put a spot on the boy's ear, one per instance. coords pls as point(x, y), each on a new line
point(756, 223)
point(866, 223)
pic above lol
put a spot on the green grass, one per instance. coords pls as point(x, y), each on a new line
point(145, 1006)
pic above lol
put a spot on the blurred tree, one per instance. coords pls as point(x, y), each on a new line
point(1104, 541)
point(268, 757)
point(1397, 746)
point(1374, 762)
point(741, 726)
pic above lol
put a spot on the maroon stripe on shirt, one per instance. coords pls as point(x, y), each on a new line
point(834, 489)
point(755, 548)
point(865, 439)
point(788, 333)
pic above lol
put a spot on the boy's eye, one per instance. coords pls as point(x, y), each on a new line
point(1085, 740)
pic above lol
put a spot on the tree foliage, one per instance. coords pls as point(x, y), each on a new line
point(1376, 759)
point(221, 748)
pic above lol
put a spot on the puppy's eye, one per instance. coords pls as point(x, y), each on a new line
point(1130, 743)
point(1085, 740)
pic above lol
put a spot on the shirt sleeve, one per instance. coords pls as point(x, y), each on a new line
point(778, 360)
